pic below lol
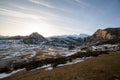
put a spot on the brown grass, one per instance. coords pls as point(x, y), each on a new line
point(43, 55)
point(104, 67)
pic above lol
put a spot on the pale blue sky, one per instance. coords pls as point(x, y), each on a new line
point(57, 17)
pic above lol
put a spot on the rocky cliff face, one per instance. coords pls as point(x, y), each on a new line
point(104, 34)
point(34, 38)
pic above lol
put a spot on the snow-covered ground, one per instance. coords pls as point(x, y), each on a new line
point(74, 61)
point(16, 51)
point(3, 75)
point(49, 66)
point(62, 51)
point(45, 67)
point(14, 48)
point(42, 67)
point(105, 47)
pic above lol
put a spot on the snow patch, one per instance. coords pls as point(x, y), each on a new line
point(3, 75)
point(42, 67)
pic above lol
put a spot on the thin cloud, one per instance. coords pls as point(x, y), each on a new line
point(43, 3)
point(17, 14)
point(82, 3)
point(45, 14)
point(33, 10)
point(47, 4)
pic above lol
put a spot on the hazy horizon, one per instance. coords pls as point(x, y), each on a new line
point(57, 17)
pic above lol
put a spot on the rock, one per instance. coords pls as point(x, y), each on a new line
point(104, 34)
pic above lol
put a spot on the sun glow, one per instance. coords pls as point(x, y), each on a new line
point(41, 28)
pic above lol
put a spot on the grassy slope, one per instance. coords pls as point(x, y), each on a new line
point(104, 67)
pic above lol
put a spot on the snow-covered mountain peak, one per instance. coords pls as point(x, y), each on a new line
point(82, 35)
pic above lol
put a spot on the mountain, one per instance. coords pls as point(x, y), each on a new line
point(62, 41)
point(11, 37)
point(104, 35)
point(34, 38)
point(82, 35)
point(67, 40)
point(108, 33)
point(3, 37)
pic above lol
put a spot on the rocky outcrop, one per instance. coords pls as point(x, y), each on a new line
point(34, 38)
point(104, 34)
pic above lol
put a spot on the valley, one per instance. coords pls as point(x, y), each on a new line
point(35, 52)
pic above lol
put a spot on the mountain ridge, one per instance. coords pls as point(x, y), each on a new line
point(104, 35)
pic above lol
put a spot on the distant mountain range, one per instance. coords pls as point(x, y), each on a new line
point(82, 35)
point(62, 41)
point(3, 36)
point(67, 40)
point(101, 35)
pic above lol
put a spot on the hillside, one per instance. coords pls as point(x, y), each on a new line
point(110, 41)
point(34, 38)
point(104, 35)
point(104, 67)
point(65, 41)
point(108, 33)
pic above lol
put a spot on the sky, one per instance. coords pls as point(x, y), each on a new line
point(57, 17)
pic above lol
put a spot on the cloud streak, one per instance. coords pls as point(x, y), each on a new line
point(48, 5)
point(82, 3)
point(42, 2)
point(46, 15)
point(17, 14)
